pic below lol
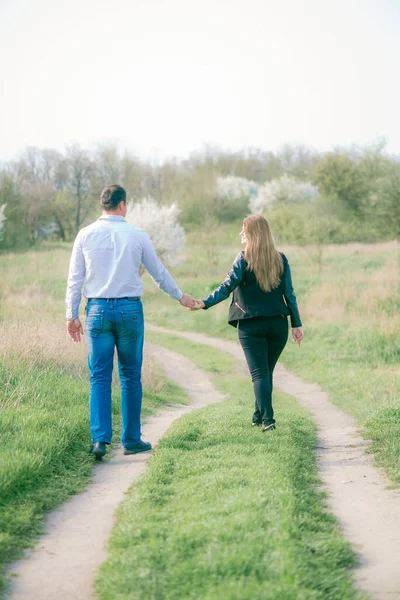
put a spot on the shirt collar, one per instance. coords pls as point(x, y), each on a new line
point(112, 217)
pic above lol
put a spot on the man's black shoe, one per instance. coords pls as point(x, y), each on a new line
point(256, 424)
point(140, 446)
point(98, 449)
point(269, 427)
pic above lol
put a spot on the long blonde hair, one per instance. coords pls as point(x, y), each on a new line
point(261, 254)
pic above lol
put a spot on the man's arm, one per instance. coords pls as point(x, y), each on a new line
point(160, 275)
point(76, 276)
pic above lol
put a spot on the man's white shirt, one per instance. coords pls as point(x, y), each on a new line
point(106, 259)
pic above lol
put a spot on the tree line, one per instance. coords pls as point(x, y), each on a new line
point(46, 193)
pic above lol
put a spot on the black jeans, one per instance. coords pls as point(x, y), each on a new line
point(262, 340)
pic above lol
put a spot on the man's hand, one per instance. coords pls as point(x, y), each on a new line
point(297, 335)
point(75, 330)
point(187, 301)
point(198, 304)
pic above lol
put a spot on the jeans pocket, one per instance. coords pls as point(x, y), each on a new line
point(130, 316)
point(132, 322)
point(94, 323)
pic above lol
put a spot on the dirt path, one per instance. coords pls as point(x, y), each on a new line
point(367, 510)
point(63, 564)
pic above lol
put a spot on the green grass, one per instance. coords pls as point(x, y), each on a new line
point(384, 432)
point(225, 512)
point(45, 437)
point(351, 313)
point(350, 305)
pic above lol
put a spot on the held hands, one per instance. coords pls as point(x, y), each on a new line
point(297, 334)
point(75, 330)
point(190, 303)
point(187, 301)
point(198, 304)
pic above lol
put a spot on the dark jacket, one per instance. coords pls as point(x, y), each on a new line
point(249, 300)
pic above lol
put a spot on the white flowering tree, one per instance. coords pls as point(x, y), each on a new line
point(233, 195)
point(236, 188)
point(284, 189)
point(161, 225)
point(2, 219)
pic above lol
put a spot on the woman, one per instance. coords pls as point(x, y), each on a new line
point(263, 298)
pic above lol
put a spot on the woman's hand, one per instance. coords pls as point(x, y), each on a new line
point(198, 304)
point(297, 334)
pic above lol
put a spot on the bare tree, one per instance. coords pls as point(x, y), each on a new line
point(36, 207)
point(80, 181)
point(298, 160)
point(108, 164)
point(132, 176)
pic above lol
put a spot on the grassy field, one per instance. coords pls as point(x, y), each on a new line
point(349, 299)
point(225, 512)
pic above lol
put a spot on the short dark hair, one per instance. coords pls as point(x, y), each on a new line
point(111, 196)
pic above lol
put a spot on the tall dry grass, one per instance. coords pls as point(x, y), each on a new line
point(367, 296)
point(45, 344)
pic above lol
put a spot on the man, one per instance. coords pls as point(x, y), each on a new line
point(106, 258)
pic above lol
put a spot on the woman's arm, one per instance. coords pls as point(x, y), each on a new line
point(231, 281)
point(290, 296)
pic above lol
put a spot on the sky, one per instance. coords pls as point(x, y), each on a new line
point(165, 78)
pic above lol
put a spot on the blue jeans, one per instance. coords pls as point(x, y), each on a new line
point(115, 323)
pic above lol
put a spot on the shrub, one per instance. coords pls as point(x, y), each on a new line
point(233, 196)
point(339, 176)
